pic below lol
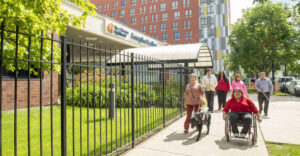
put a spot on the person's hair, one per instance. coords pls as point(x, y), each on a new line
point(263, 73)
point(237, 89)
point(224, 76)
point(193, 75)
point(236, 75)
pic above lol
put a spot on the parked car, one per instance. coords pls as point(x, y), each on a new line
point(294, 87)
point(282, 81)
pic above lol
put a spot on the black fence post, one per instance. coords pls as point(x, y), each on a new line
point(164, 95)
point(63, 95)
point(132, 99)
point(1, 57)
point(181, 104)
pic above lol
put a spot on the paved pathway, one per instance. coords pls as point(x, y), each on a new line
point(172, 141)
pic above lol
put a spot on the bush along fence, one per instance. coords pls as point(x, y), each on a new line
point(87, 99)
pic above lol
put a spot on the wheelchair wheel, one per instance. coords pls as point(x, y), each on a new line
point(227, 135)
point(254, 134)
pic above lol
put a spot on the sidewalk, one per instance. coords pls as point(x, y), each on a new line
point(172, 141)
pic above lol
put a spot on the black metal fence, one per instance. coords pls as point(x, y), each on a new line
point(79, 98)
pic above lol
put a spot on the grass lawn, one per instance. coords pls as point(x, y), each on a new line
point(112, 133)
point(283, 149)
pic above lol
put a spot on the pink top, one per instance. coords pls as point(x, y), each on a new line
point(193, 93)
point(241, 85)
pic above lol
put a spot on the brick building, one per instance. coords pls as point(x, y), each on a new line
point(176, 21)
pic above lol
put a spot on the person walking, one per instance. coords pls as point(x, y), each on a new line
point(209, 84)
point(240, 84)
point(264, 87)
point(222, 88)
point(192, 100)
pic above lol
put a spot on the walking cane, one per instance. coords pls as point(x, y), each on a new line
point(268, 99)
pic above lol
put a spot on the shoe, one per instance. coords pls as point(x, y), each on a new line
point(219, 109)
point(266, 116)
point(186, 131)
point(243, 135)
point(236, 135)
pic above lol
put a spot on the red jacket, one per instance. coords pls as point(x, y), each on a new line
point(222, 85)
point(245, 105)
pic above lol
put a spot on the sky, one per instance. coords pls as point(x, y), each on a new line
point(238, 5)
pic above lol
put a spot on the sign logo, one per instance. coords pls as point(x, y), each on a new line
point(110, 28)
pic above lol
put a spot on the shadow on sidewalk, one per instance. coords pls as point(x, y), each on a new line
point(187, 139)
point(240, 144)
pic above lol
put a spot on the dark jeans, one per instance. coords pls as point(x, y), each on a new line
point(262, 99)
point(210, 99)
point(246, 118)
point(222, 95)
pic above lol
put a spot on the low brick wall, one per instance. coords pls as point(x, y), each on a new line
point(8, 88)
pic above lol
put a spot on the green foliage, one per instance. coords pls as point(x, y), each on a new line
point(144, 93)
point(283, 149)
point(32, 18)
point(262, 35)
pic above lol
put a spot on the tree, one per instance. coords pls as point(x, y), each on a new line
point(296, 7)
point(34, 18)
point(263, 36)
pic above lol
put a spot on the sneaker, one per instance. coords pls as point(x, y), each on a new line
point(186, 131)
point(243, 135)
point(266, 116)
point(236, 135)
point(219, 109)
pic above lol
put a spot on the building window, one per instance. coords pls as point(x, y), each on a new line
point(186, 35)
point(203, 21)
point(123, 3)
point(210, 9)
point(188, 24)
point(140, 28)
point(144, 28)
point(117, 4)
point(212, 44)
point(122, 13)
point(156, 17)
point(174, 4)
point(164, 37)
point(191, 34)
point(150, 28)
point(175, 25)
point(201, 11)
point(112, 14)
point(133, 20)
point(176, 35)
point(142, 19)
point(152, 18)
point(144, 9)
point(156, 36)
point(123, 20)
point(202, 33)
point(154, 27)
point(190, 13)
point(114, 4)
point(184, 24)
point(146, 19)
point(154, 8)
point(203, 1)
point(162, 26)
point(142, 1)
point(188, 2)
point(132, 11)
point(163, 6)
point(183, 3)
point(212, 20)
point(177, 14)
point(150, 8)
point(141, 9)
point(164, 16)
point(133, 2)
point(186, 13)
point(210, 32)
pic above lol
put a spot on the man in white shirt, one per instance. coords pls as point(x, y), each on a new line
point(209, 83)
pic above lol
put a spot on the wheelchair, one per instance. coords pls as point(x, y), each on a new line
point(251, 135)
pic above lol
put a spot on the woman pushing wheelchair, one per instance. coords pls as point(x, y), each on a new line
point(240, 110)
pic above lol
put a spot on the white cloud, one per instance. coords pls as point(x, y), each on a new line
point(236, 7)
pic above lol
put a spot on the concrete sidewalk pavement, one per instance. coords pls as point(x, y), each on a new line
point(172, 141)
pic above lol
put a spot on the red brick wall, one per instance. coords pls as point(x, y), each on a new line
point(8, 88)
point(194, 20)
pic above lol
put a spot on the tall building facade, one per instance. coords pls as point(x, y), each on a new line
point(176, 21)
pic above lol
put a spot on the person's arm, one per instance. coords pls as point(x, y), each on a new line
point(226, 109)
point(254, 110)
point(233, 85)
point(228, 84)
point(203, 82)
point(201, 91)
point(256, 85)
point(215, 82)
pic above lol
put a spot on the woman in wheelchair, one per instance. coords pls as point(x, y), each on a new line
point(241, 108)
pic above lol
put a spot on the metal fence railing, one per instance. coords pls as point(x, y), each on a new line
point(71, 97)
